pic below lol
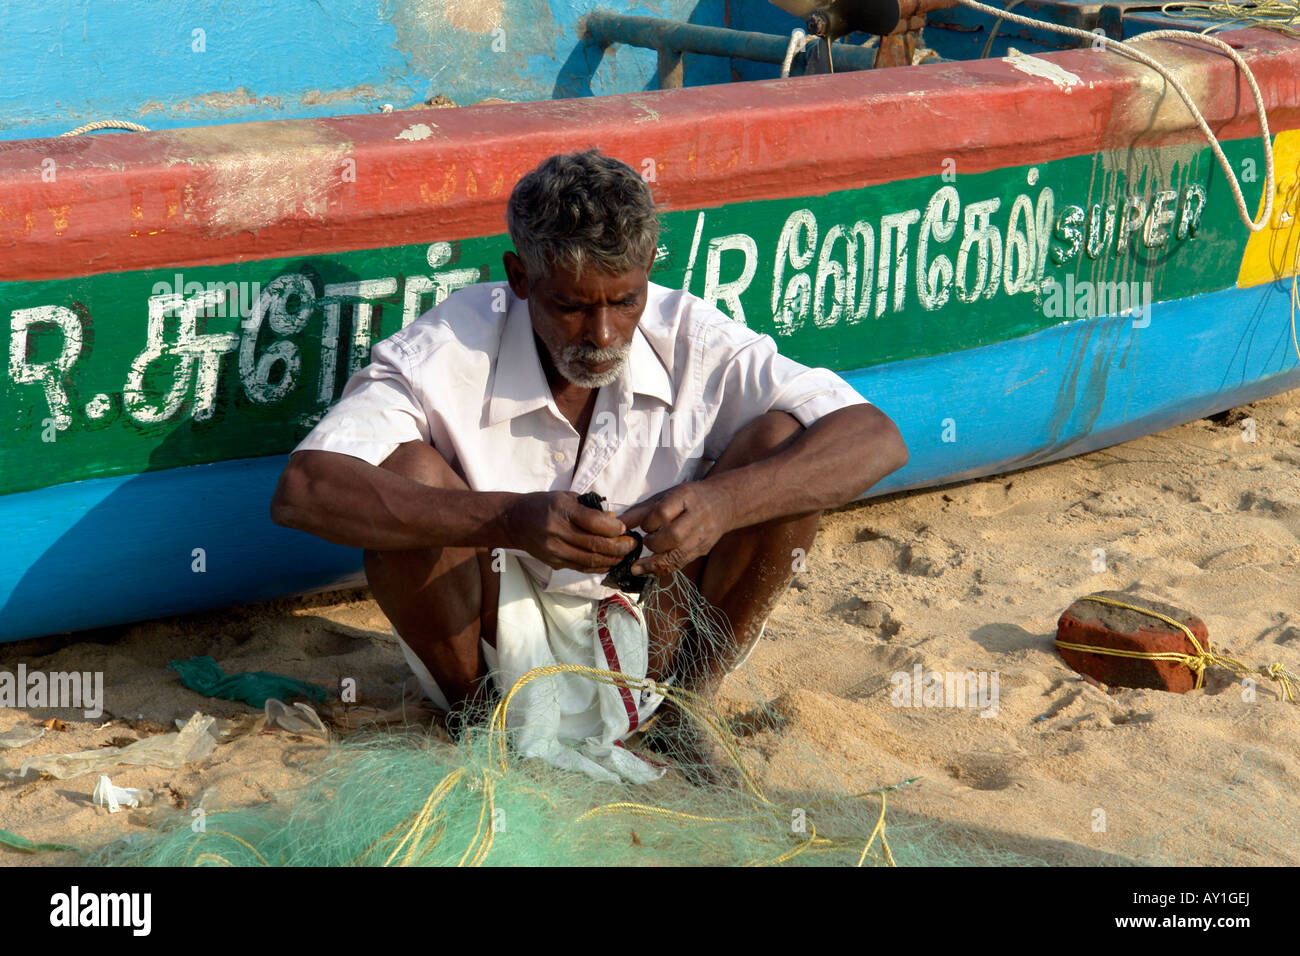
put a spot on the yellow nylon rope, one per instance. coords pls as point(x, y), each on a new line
point(418, 841)
point(1197, 662)
point(425, 828)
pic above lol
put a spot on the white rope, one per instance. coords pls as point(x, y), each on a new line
point(798, 40)
point(107, 124)
point(1135, 54)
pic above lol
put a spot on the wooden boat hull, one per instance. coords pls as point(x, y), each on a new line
point(181, 306)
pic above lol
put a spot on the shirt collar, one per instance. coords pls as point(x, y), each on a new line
point(519, 385)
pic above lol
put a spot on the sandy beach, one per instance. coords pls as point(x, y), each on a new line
point(971, 577)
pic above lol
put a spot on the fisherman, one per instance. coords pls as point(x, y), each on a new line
point(456, 459)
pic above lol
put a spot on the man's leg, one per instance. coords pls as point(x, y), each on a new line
point(744, 576)
point(440, 600)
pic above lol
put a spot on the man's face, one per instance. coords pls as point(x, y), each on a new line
point(586, 324)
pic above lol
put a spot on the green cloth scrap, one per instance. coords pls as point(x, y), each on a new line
point(203, 675)
point(23, 845)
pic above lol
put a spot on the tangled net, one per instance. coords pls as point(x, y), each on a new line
point(403, 799)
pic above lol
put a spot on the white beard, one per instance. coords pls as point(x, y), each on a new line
point(568, 364)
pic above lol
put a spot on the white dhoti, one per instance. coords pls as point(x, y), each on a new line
point(568, 720)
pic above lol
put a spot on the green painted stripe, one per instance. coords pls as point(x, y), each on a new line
point(109, 376)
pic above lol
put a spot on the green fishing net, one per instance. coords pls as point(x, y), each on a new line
point(414, 799)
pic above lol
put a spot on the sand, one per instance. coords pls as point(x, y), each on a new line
point(967, 578)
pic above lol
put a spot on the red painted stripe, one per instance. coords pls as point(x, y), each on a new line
point(611, 655)
point(219, 194)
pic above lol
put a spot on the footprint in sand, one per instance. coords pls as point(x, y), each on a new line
point(986, 771)
point(1255, 553)
point(874, 615)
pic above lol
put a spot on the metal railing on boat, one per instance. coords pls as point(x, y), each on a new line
point(673, 38)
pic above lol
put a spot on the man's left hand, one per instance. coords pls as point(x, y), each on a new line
point(681, 524)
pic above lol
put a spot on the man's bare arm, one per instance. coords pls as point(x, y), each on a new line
point(353, 503)
point(827, 465)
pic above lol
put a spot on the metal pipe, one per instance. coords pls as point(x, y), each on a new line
point(604, 28)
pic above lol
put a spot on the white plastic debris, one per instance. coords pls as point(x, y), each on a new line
point(170, 751)
point(115, 798)
point(299, 719)
point(17, 737)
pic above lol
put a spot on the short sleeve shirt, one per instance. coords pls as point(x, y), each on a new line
point(466, 378)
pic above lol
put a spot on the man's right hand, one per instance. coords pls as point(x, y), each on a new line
point(554, 528)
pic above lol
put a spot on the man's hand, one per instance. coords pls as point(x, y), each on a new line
point(555, 529)
point(682, 524)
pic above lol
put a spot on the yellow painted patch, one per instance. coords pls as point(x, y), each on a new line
point(435, 197)
point(59, 214)
point(1274, 252)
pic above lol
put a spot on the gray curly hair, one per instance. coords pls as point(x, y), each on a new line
point(582, 210)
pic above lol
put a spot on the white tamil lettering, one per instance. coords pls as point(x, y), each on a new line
point(795, 247)
point(934, 277)
point(360, 295)
point(979, 232)
point(830, 270)
point(272, 308)
point(197, 357)
point(862, 248)
point(1021, 248)
point(891, 225)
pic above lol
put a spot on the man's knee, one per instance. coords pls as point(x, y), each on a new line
point(422, 462)
point(763, 436)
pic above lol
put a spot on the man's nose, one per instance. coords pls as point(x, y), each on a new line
point(600, 330)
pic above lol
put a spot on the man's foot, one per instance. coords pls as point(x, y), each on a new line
point(472, 713)
point(692, 748)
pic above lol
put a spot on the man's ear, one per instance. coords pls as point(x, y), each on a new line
point(516, 274)
point(653, 257)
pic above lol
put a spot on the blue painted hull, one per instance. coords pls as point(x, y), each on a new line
point(200, 62)
point(94, 553)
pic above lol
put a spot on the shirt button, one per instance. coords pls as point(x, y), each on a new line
point(558, 456)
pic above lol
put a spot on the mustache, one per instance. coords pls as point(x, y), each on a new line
point(593, 355)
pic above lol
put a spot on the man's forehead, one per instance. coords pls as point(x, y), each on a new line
point(594, 284)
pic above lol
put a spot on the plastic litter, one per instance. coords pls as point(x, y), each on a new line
point(170, 751)
point(17, 737)
point(202, 674)
point(232, 728)
point(298, 719)
point(115, 798)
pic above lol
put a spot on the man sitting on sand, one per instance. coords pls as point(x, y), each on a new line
point(456, 458)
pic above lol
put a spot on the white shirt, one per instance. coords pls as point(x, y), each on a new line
point(467, 378)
